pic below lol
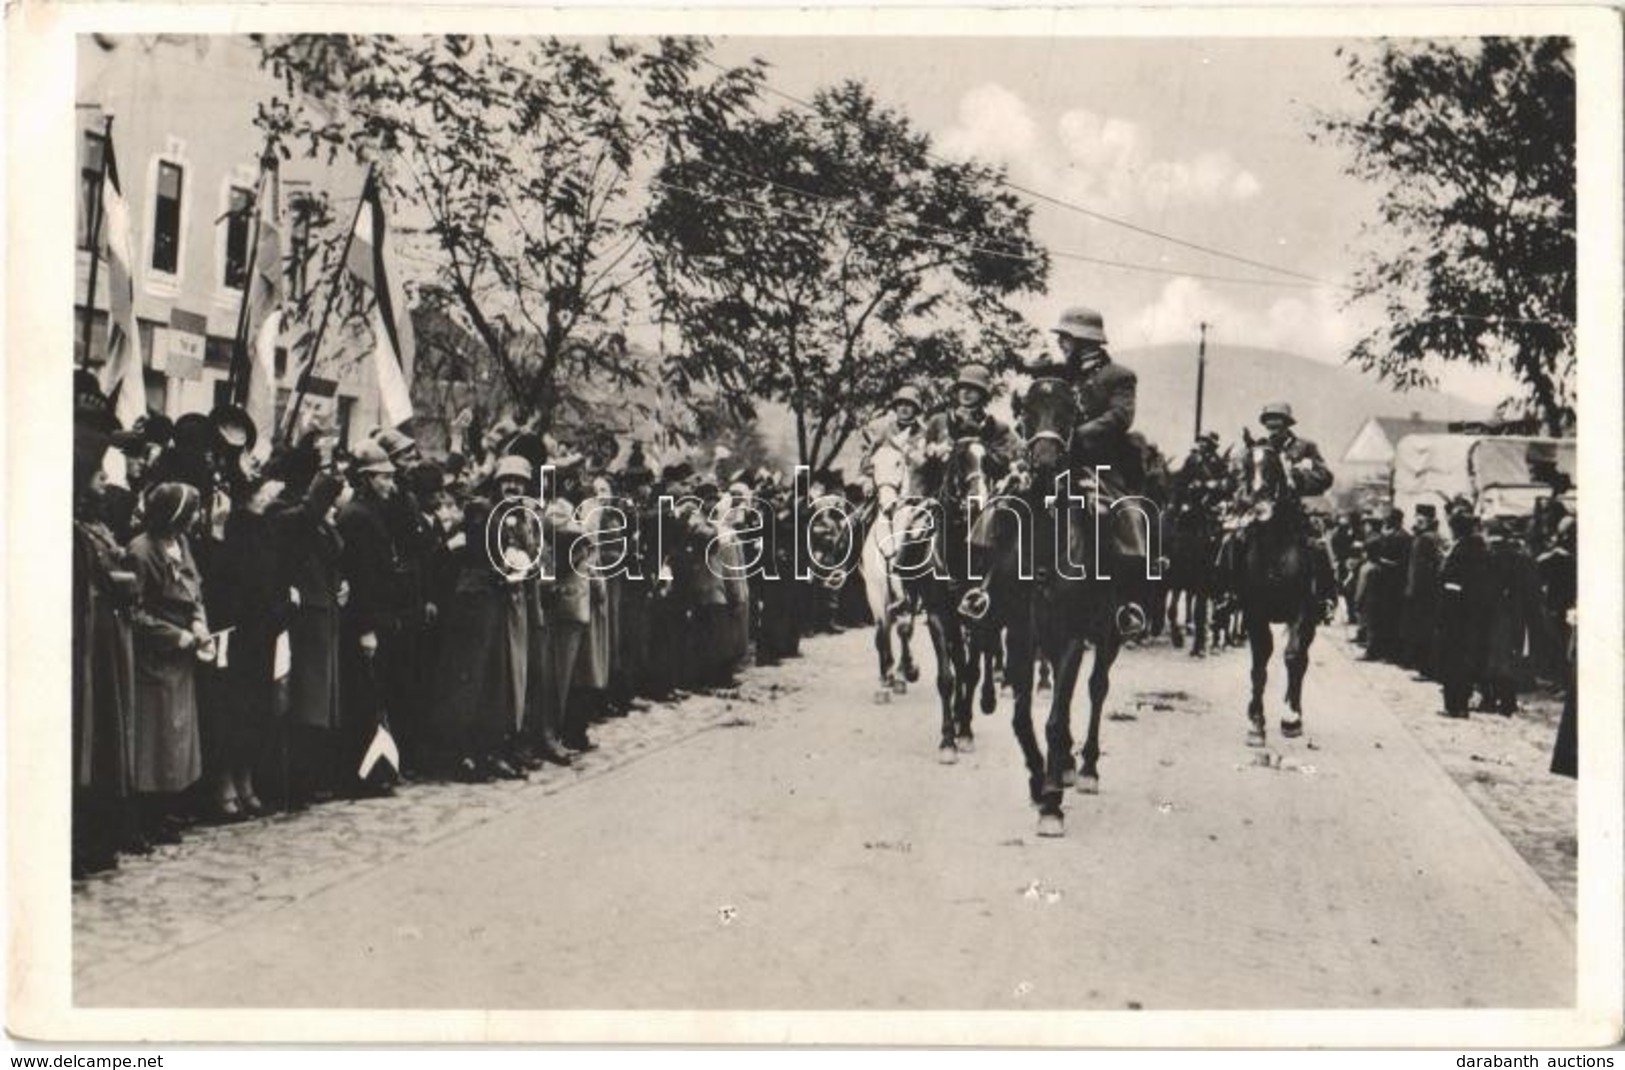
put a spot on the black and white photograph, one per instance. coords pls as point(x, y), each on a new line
point(729, 520)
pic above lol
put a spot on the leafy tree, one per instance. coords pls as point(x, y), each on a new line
point(1473, 144)
point(518, 163)
point(824, 258)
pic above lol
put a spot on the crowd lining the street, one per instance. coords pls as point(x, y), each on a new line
point(242, 630)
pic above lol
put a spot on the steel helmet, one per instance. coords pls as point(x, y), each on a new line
point(1083, 323)
point(907, 394)
point(976, 375)
point(1278, 408)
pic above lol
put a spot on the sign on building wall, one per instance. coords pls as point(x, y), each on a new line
point(178, 354)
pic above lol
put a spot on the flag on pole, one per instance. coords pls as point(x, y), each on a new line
point(122, 377)
point(265, 308)
point(391, 327)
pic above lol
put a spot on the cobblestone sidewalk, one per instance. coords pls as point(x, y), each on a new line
point(220, 876)
point(1501, 763)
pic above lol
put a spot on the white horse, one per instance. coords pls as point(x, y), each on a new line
point(890, 602)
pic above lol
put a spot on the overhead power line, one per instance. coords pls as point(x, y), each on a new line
point(1091, 213)
point(975, 247)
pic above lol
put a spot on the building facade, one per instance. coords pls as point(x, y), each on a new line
point(180, 112)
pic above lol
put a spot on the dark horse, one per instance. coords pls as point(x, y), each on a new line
point(941, 584)
point(1273, 576)
point(1052, 604)
point(1191, 576)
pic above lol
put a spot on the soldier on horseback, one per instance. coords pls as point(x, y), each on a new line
point(1307, 476)
point(897, 429)
point(1105, 393)
point(969, 420)
point(1203, 482)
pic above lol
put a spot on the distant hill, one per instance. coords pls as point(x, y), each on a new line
point(1330, 401)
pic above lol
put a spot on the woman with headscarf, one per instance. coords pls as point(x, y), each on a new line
point(171, 638)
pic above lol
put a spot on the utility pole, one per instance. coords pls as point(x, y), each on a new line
point(1201, 373)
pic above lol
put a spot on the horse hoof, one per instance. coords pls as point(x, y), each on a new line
point(1088, 785)
point(1051, 826)
point(898, 687)
point(965, 744)
point(947, 755)
point(1292, 729)
point(1069, 778)
point(911, 673)
point(1255, 735)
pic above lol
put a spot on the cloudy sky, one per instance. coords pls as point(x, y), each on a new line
point(1203, 139)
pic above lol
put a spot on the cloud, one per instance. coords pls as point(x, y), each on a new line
point(993, 123)
point(1307, 322)
point(1107, 163)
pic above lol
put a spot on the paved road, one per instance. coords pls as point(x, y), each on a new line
point(798, 847)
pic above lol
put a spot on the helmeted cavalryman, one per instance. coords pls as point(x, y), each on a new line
point(900, 429)
point(1203, 481)
point(968, 418)
point(1307, 476)
point(1105, 392)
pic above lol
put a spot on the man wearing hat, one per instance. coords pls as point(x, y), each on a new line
point(1203, 481)
point(1464, 579)
point(406, 686)
point(1388, 564)
point(1422, 589)
point(372, 618)
point(1308, 476)
point(969, 418)
point(898, 428)
point(1105, 393)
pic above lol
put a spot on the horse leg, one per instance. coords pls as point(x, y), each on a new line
point(969, 673)
point(1058, 769)
point(1300, 634)
point(1176, 633)
point(942, 644)
point(1100, 682)
point(1019, 658)
point(905, 633)
point(1262, 642)
point(1199, 622)
point(1058, 729)
point(883, 649)
point(988, 642)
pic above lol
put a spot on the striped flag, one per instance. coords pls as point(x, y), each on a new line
point(122, 376)
point(391, 326)
point(265, 308)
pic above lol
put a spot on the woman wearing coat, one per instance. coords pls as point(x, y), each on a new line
point(484, 666)
point(172, 637)
point(103, 660)
point(304, 515)
point(250, 595)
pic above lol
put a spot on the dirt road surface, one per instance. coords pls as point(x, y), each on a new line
point(797, 846)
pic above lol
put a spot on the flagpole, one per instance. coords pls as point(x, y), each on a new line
point(96, 236)
point(237, 382)
point(321, 327)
